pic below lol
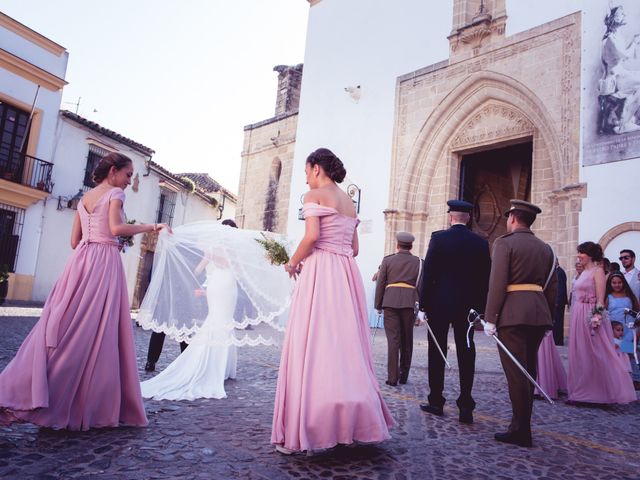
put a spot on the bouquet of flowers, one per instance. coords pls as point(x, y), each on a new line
point(597, 315)
point(126, 241)
point(275, 251)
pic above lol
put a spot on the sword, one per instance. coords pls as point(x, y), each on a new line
point(478, 317)
point(437, 345)
point(375, 329)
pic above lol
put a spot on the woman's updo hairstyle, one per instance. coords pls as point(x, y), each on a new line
point(331, 164)
point(591, 249)
point(113, 159)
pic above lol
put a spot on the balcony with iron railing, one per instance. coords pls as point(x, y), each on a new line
point(26, 170)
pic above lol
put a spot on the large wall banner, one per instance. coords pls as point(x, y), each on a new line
point(611, 69)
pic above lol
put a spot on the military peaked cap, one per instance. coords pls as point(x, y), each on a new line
point(524, 206)
point(459, 206)
point(405, 237)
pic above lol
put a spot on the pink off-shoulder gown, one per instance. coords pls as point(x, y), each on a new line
point(327, 392)
point(77, 367)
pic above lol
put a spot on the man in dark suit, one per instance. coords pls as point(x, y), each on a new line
point(396, 294)
point(522, 296)
point(561, 301)
point(454, 280)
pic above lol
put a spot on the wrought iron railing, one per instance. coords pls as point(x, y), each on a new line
point(27, 170)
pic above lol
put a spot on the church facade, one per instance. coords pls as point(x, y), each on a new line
point(483, 100)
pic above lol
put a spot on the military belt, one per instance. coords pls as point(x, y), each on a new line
point(401, 285)
point(524, 287)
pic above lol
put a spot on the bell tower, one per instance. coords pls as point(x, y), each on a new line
point(476, 23)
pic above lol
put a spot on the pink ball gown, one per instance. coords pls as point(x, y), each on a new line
point(551, 375)
point(77, 367)
point(596, 374)
point(327, 392)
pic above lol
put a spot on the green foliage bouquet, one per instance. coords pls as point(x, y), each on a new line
point(275, 251)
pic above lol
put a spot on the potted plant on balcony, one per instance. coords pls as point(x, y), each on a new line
point(4, 282)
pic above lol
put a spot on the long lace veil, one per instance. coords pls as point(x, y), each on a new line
point(213, 284)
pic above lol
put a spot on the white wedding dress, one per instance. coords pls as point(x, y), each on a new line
point(210, 359)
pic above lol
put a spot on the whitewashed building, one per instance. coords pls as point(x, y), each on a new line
point(155, 195)
point(412, 94)
point(32, 72)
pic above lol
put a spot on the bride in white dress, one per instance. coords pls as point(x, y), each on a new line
point(242, 289)
point(200, 371)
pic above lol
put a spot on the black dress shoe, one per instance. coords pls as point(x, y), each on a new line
point(403, 379)
point(466, 416)
point(150, 367)
point(425, 407)
point(391, 384)
point(512, 439)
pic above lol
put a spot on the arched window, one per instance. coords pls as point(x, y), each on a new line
point(270, 217)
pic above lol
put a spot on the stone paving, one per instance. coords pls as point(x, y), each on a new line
point(229, 438)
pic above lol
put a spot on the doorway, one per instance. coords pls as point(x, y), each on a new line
point(489, 180)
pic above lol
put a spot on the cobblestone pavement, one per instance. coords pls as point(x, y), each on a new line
point(229, 438)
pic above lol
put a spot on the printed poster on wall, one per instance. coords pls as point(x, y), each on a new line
point(611, 102)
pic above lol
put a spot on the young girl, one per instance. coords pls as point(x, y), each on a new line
point(618, 297)
point(618, 333)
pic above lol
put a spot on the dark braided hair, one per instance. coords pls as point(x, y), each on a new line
point(331, 164)
point(113, 159)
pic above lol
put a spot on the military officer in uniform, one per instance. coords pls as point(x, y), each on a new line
point(454, 280)
point(396, 293)
point(522, 295)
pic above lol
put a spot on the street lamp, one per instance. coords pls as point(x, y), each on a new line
point(70, 202)
point(354, 192)
point(221, 205)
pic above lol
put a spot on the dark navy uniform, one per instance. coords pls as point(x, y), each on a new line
point(454, 280)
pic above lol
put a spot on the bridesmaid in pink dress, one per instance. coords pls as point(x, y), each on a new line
point(551, 375)
point(327, 392)
point(77, 367)
point(595, 372)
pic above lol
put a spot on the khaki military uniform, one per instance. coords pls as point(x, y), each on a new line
point(396, 294)
point(522, 311)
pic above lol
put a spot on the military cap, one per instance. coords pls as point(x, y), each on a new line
point(405, 237)
point(459, 206)
point(524, 206)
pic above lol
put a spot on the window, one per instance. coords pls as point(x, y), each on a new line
point(166, 206)
point(93, 157)
point(11, 220)
point(13, 141)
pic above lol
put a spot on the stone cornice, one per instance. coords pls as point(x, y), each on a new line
point(19, 195)
point(30, 72)
point(31, 35)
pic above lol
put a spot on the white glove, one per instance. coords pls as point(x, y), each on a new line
point(548, 332)
point(422, 316)
point(489, 329)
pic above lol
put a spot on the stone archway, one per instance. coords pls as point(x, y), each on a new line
point(485, 110)
point(612, 233)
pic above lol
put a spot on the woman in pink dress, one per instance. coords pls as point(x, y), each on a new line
point(551, 375)
point(595, 372)
point(77, 367)
point(327, 392)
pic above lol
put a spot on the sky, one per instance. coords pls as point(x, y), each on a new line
point(182, 78)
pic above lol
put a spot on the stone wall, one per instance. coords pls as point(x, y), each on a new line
point(263, 194)
point(525, 87)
